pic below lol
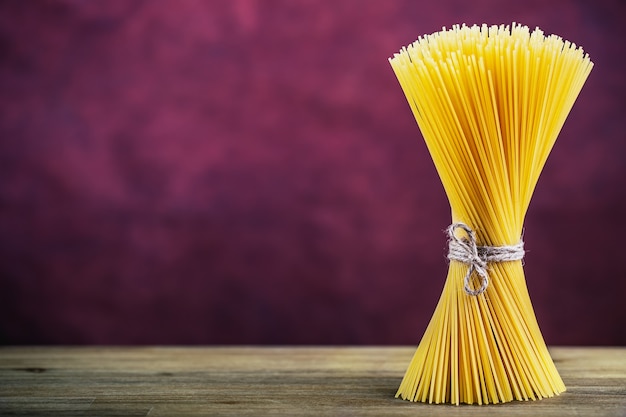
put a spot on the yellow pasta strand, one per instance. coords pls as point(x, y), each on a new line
point(490, 102)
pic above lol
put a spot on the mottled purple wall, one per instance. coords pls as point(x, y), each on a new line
point(249, 172)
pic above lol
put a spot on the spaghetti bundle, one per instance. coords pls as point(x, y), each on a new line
point(490, 102)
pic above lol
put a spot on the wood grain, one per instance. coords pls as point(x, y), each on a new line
point(293, 381)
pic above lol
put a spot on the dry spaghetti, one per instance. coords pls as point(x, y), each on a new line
point(490, 102)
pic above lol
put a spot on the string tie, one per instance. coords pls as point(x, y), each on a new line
point(467, 251)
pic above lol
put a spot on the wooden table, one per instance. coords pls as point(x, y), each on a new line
point(255, 381)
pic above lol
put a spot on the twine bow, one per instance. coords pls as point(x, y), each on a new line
point(467, 251)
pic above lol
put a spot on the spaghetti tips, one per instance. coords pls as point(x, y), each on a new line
point(490, 103)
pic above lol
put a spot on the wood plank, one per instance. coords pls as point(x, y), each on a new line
point(295, 381)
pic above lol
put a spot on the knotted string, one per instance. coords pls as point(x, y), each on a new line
point(467, 251)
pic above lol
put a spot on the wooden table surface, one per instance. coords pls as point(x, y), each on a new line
point(256, 381)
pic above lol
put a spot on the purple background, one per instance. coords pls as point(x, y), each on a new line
point(224, 172)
